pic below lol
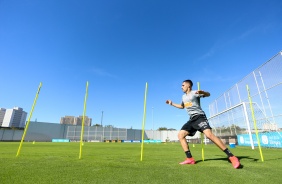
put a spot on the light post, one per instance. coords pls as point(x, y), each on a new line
point(153, 121)
point(102, 125)
point(102, 119)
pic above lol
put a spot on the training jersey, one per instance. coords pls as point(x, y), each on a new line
point(191, 102)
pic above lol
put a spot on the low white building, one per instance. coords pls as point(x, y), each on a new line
point(15, 117)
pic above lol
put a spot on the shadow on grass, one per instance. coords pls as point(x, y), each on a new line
point(226, 159)
point(273, 159)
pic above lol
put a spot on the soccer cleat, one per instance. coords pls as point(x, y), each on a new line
point(188, 161)
point(235, 162)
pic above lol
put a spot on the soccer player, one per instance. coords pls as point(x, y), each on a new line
point(197, 122)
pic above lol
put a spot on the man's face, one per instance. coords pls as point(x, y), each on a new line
point(185, 86)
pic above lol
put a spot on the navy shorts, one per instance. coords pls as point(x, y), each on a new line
point(196, 123)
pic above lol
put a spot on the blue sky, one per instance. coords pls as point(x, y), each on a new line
point(119, 45)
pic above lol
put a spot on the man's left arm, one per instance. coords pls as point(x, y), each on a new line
point(204, 93)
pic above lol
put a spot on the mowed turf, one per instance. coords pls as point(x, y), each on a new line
point(120, 163)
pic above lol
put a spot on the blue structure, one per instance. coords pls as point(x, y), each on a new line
point(269, 139)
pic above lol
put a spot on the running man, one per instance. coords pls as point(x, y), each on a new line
point(197, 122)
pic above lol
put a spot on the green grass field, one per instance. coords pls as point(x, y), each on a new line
point(120, 163)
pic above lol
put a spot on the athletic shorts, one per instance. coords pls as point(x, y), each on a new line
point(196, 123)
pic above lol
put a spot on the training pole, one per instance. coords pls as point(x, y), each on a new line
point(83, 119)
point(255, 122)
point(30, 115)
point(202, 136)
point(144, 119)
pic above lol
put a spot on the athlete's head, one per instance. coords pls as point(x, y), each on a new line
point(187, 86)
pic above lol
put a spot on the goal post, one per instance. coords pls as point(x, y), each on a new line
point(236, 122)
point(248, 125)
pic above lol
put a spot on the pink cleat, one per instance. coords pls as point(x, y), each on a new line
point(235, 162)
point(188, 161)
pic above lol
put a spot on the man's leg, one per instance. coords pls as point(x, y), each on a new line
point(182, 139)
point(220, 144)
point(208, 133)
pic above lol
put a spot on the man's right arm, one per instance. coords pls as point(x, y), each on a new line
point(180, 106)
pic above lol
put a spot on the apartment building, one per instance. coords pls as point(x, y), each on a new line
point(72, 120)
point(15, 117)
point(2, 114)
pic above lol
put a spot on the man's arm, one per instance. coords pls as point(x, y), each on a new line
point(205, 93)
point(180, 106)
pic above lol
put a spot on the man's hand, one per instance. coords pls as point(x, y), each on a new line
point(168, 102)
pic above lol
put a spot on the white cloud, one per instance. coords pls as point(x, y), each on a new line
point(211, 75)
point(225, 42)
point(101, 72)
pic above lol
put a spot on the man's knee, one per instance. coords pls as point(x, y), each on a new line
point(208, 133)
point(182, 134)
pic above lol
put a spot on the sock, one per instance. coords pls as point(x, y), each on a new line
point(228, 153)
point(188, 154)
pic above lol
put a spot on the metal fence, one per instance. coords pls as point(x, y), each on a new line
point(265, 89)
point(96, 133)
point(46, 132)
point(231, 112)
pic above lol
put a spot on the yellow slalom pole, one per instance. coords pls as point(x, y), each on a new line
point(30, 115)
point(143, 123)
point(83, 119)
point(202, 136)
point(255, 123)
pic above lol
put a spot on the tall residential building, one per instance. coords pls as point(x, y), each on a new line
point(2, 114)
point(87, 121)
point(15, 117)
point(71, 120)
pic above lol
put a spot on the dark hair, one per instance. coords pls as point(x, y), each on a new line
point(189, 81)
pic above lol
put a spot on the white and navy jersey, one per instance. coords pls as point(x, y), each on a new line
point(191, 102)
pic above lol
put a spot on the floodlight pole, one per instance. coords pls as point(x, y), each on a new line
point(153, 122)
point(102, 119)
